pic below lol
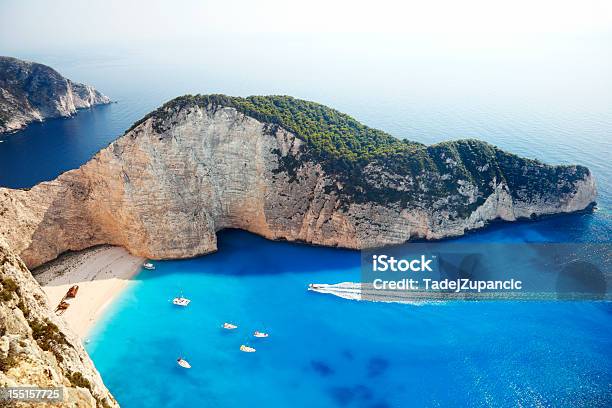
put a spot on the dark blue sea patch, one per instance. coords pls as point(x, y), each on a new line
point(377, 366)
point(358, 395)
point(321, 368)
point(348, 354)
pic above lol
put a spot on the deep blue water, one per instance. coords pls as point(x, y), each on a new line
point(325, 351)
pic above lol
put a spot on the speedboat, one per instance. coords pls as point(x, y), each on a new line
point(229, 326)
point(247, 349)
point(181, 301)
point(148, 265)
point(183, 363)
point(260, 334)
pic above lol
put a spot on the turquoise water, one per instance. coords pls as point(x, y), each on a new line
point(325, 351)
point(329, 352)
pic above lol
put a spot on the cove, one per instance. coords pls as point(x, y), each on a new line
point(329, 352)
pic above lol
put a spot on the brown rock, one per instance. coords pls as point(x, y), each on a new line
point(36, 348)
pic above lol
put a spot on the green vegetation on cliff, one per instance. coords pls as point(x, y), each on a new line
point(331, 133)
point(375, 166)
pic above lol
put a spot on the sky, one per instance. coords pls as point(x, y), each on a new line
point(36, 25)
point(553, 50)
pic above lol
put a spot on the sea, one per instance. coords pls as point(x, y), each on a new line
point(324, 351)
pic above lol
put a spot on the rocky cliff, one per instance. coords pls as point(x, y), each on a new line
point(36, 348)
point(281, 168)
point(33, 92)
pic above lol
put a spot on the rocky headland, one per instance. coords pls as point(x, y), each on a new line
point(32, 92)
point(282, 168)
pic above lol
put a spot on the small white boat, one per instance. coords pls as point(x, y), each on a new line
point(183, 363)
point(247, 349)
point(149, 266)
point(181, 301)
point(261, 335)
point(229, 326)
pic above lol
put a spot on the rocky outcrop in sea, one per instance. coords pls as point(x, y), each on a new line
point(31, 92)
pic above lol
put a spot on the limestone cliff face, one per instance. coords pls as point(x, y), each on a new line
point(36, 348)
point(33, 92)
point(168, 185)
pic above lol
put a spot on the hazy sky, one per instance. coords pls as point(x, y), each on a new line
point(427, 70)
point(65, 24)
point(555, 50)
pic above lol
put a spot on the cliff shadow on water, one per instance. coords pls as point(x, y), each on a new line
point(242, 253)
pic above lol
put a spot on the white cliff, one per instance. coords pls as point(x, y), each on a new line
point(167, 186)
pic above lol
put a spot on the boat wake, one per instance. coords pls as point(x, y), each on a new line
point(365, 292)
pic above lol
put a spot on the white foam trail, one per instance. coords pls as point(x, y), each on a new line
point(365, 292)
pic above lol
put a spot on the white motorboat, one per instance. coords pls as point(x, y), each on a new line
point(148, 265)
point(183, 363)
point(260, 335)
point(181, 301)
point(229, 326)
point(247, 349)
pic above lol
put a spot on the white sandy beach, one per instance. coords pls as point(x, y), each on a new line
point(101, 273)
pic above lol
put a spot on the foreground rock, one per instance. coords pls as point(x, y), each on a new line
point(36, 348)
point(201, 164)
point(32, 92)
